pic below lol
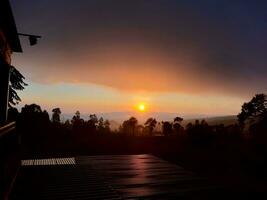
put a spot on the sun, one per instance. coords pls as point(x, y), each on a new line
point(141, 107)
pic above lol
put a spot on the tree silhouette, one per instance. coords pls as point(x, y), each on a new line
point(12, 114)
point(129, 126)
point(32, 120)
point(133, 123)
point(253, 111)
point(78, 114)
point(177, 127)
point(178, 120)
point(76, 117)
point(151, 124)
point(76, 121)
point(56, 115)
point(92, 123)
point(16, 83)
point(189, 126)
point(93, 118)
point(45, 116)
point(200, 132)
point(106, 126)
point(31, 109)
point(140, 129)
point(166, 128)
point(254, 115)
point(67, 124)
point(101, 125)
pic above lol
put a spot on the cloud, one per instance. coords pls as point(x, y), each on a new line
point(178, 46)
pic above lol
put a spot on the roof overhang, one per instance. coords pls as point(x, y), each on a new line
point(8, 26)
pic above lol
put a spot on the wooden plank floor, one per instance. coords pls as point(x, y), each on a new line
point(148, 177)
point(108, 177)
point(60, 179)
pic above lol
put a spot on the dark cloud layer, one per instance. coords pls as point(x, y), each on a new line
point(167, 45)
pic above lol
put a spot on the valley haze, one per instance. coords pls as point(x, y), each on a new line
point(117, 118)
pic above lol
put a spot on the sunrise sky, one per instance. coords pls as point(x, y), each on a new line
point(192, 57)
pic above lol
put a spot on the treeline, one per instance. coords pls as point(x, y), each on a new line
point(33, 117)
point(252, 123)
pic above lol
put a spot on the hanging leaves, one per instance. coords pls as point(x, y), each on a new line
point(16, 83)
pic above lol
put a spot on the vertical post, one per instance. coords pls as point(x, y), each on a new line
point(4, 90)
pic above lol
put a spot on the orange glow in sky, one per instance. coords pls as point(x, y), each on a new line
point(141, 56)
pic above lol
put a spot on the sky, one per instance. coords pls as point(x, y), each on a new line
point(186, 56)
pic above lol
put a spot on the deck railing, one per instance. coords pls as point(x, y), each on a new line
point(9, 157)
point(5, 129)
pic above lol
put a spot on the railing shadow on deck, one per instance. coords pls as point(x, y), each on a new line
point(9, 157)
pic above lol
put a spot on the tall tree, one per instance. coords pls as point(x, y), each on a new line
point(93, 118)
point(133, 123)
point(33, 118)
point(16, 83)
point(253, 111)
point(129, 126)
point(177, 127)
point(151, 124)
point(100, 126)
point(166, 128)
point(76, 121)
point(253, 116)
point(107, 126)
point(56, 115)
point(92, 123)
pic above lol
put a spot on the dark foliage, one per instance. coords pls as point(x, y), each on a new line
point(151, 124)
point(92, 123)
point(56, 115)
point(12, 114)
point(16, 83)
point(177, 127)
point(166, 128)
point(254, 110)
point(200, 133)
point(34, 125)
point(129, 126)
point(253, 116)
point(77, 122)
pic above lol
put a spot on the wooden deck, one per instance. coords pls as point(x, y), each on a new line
point(108, 177)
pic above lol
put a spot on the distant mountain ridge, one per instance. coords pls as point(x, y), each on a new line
point(121, 116)
point(116, 118)
point(226, 120)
